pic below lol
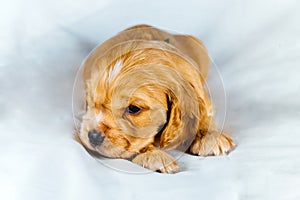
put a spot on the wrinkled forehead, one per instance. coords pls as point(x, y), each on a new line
point(116, 96)
point(145, 96)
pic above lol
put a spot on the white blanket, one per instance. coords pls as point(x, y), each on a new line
point(256, 46)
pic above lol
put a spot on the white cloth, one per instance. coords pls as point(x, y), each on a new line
point(255, 45)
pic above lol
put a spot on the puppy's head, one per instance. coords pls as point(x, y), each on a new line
point(139, 92)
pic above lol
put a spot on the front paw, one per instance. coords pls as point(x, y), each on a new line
point(157, 160)
point(212, 144)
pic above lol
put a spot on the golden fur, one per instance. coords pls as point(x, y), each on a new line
point(162, 75)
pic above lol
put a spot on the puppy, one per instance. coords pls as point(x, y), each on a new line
point(145, 94)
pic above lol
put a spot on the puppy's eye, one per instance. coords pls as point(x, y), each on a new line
point(131, 109)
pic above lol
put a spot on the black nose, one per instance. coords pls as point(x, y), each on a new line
point(95, 137)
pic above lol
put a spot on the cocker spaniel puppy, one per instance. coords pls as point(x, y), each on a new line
point(145, 94)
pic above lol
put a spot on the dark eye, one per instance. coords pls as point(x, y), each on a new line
point(131, 109)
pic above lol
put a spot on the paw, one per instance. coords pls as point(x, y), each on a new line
point(212, 144)
point(157, 160)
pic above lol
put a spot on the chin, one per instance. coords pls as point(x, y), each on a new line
point(145, 94)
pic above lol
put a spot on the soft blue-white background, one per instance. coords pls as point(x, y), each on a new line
point(255, 44)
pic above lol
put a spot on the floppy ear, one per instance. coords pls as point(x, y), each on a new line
point(183, 118)
point(186, 114)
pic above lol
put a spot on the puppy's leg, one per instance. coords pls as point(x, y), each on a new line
point(156, 160)
point(209, 141)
